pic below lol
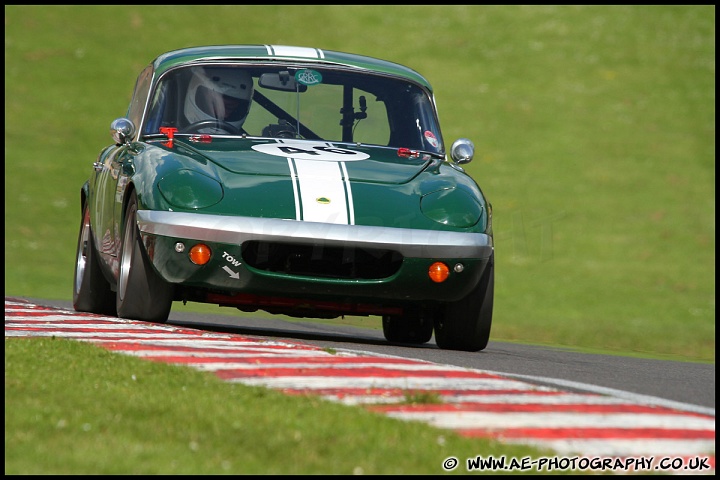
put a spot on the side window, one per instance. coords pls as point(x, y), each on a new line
point(166, 105)
point(137, 104)
point(156, 112)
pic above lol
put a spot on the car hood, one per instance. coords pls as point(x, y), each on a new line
point(286, 158)
point(309, 181)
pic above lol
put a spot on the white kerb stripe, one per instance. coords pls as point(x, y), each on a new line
point(415, 383)
point(490, 420)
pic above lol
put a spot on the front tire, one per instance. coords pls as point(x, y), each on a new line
point(142, 294)
point(91, 290)
point(465, 324)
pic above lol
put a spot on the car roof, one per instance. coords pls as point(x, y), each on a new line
point(284, 53)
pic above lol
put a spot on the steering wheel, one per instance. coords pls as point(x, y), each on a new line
point(279, 130)
point(285, 134)
point(216, 124)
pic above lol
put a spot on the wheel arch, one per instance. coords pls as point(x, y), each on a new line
point(129, 190)
point(84, 194)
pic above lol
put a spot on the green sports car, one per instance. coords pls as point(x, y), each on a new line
point(295, 180)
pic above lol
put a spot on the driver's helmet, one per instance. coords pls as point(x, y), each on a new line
point(217, 93)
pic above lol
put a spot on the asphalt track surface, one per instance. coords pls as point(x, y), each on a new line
point(572, 403)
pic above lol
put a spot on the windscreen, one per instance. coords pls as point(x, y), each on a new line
point(326, 104)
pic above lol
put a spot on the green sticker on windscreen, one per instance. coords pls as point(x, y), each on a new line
point(308, 77)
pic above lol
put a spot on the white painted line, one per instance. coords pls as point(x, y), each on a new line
point(629, 396)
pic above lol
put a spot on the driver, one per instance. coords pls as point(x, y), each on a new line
point(221, 95)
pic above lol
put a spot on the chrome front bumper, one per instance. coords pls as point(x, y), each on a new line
point(236, 230)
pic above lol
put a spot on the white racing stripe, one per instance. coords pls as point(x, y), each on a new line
point(348, 191)
point(289, 51)
point(320, 181)
point(322, 190)
point(296, 189)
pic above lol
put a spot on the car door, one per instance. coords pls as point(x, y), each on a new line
point(103, 209)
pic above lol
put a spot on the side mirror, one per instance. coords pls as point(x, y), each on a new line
point(462, 151)
point(122, 130)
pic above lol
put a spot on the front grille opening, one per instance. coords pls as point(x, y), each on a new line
point(322, 261)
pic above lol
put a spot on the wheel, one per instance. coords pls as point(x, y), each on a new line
point(212, 125)
point(141, 293)
point(91, 292)
point(465, 325)
point(407, 328)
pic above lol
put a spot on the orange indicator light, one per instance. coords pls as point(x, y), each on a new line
point(200, 254)
point(438, 272)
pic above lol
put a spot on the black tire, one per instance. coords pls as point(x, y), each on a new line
point(465, 325)
point(407, 328)
point(141, 293)
point(91, 290)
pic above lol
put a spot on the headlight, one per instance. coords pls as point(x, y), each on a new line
point(189, 189)
point(452, 207)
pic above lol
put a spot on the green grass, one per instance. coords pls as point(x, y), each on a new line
point(125, 415)
point(595, 136)
point(595, 131)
